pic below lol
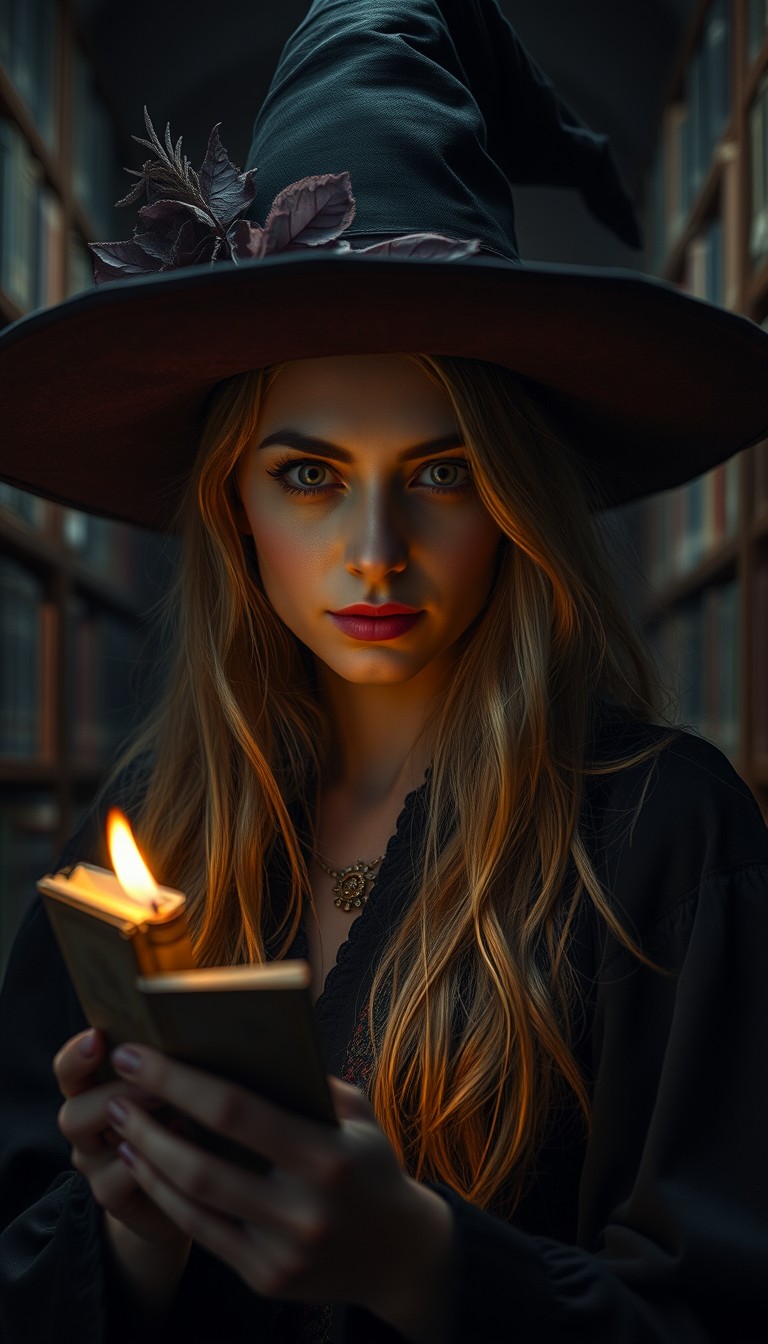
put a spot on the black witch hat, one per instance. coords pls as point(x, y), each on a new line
point(375, 215)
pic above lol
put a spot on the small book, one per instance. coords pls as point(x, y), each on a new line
point(133, 970)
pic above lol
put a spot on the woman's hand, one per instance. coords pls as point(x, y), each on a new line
point(84, 1122)
point(335, 1219)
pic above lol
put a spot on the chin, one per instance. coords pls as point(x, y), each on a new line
point(364, 674)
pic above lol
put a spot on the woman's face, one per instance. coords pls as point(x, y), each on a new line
point(373, 516)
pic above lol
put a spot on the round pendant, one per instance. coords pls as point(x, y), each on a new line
point(351, 887)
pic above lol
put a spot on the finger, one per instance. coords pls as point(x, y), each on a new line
point(223, 1106)
point(77, 1059)
point(263, 1260)
point(204, 1178)
point(83, 1119)
point(113, 1185)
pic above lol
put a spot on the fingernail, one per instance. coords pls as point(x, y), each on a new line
point(126, 1060)
point(87, 1046)
point(117, 1112)
point(127, 1153)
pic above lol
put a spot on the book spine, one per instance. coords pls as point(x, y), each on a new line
point(48, 681)
point(731, 209)
point(732, 480)
point(79, 266)
point(758, 140)
point(164, 947)
point(757, 27)
point(717, 42)
point(20, 598)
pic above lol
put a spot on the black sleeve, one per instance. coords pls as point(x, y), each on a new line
point(672, 1244)
point(56, 1284)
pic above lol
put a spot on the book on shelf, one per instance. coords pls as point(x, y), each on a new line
point(28, 635)
point(707, 97)
point(686, 524)
point(703, 275)
point(730, 207)
point(79, 265)
point(50, 253)
point(96, 178)
point(28, 32)
point(674, 213)
point(29, 825)
point(31, 225)
point(722, 661)
point(757, 27)
point(691, 127)
point(758, 143)
point(698, 651)
point(102, 652)
point(109, 548)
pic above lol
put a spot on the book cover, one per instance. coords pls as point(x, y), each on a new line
point(133, 969)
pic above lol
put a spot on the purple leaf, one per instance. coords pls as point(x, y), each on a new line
point(166, 216)
point(116, 261)
point(312, 211)
point(225, 188)
point(175, 228)
point(194, 246)
point(422, 245)
point(247, 241)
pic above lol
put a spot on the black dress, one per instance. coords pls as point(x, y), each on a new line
point(653, 1229)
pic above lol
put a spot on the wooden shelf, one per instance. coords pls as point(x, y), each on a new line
point(49, 557)
point(726, 194)
point(700, 211)
point(717, 565)
point(755, 73)
point(74, 688)
point(12, 105)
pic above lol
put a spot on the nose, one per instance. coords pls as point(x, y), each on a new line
point(378, 539)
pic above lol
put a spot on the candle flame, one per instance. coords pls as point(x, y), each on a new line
point(130, 869)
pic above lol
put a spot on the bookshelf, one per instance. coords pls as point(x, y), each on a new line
point(74, 589)
point(705, 544)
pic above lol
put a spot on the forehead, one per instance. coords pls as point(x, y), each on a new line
point(352, 393)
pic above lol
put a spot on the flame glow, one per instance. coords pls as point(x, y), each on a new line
point(130, 869)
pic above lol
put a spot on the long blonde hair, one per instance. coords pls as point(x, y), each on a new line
point(239, 734)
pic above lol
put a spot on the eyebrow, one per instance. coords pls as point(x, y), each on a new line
point(310, 443)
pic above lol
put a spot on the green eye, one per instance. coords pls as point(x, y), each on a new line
point(444, 476)
point(308, 472)
point(311, 473)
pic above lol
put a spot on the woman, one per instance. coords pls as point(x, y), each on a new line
point(542, 1024)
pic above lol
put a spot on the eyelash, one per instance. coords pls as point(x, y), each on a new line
point(285, 464)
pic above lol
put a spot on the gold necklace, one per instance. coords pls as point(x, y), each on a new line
point(352, 883)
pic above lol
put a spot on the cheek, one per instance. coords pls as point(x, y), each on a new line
point(275, 546)
point(470, 551)
point(288, 555)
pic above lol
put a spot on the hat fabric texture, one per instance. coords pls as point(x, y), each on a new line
point(435, 111)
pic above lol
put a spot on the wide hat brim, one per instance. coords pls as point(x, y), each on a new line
point(103, 396)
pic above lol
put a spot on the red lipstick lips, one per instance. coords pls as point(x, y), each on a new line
point(386, 609)
point(365, 622)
